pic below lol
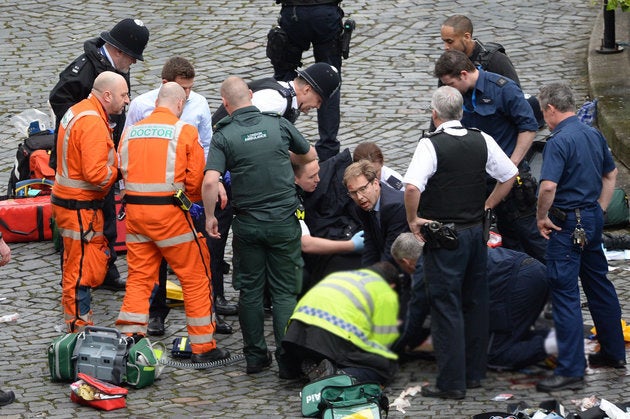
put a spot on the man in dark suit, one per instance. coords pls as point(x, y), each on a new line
point(383, 211)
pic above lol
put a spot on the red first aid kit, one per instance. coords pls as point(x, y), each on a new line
point(26, 219)
point(90, 391)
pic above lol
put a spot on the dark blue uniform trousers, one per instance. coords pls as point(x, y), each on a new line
point(565, 262)
point(458, 294)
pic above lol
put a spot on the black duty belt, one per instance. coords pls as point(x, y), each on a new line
point(150, 200)
point(73, 204)
point(561, 214)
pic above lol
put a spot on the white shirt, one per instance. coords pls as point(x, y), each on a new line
point(424, 161)
point(270, 100)
point(196, 112)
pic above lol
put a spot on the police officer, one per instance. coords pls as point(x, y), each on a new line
point(317, 22)
point(347, 321)
point(457, 34)
point(115, 50)
point(577, 181)
point(496, 105)
point(254, 147)
point(312, 87)
point(445, 183)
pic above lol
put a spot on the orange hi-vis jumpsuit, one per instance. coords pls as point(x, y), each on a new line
point(160, 155)
point(87, 169)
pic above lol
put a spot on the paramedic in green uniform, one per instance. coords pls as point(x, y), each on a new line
point(254, 147)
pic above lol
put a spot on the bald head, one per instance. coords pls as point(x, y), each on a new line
point(112, 91)
point(235, 94)
point(172, 96)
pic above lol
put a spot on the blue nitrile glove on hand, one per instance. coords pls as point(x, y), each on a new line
point(196, 211)
point(357, 241)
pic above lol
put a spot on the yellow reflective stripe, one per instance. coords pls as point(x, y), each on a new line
point(76, 183)
point(175, 240)
point(66, 139)
point(131, 329)
point(133, 317)
point(137, 238)
point(201, 339)
point(198, 321)
point(153, 187)
point(171, 156)
point(75, 235)
point(384, 330)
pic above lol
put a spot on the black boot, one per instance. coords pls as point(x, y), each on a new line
point(616, 241)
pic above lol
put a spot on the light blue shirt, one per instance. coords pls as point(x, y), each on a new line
point(196, 112)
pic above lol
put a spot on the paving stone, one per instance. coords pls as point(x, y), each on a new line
point(387, 85)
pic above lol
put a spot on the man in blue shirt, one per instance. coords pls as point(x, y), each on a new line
point(577, 181)
point(497, 106)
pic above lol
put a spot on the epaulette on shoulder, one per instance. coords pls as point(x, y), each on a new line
point(431, 133)
point(79, 64)
point(222, 122)
point(276, 114)
point(474, 129)
point(501, 81)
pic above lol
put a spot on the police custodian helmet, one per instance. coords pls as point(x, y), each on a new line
point(323, 77)
point(130, 36)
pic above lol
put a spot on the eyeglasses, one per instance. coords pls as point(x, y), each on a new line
point(362, 190)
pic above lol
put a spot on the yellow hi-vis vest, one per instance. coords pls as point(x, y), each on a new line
point(358, 306)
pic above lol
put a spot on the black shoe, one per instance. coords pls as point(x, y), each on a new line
point(321, 370)
point(6, 397)
point(113, 281)
point(430, 391)
point(256, 368)
point(223, 307)
point(473, 383)
point(560, 382)
point(222, 327)
point(156, 326)
point(599, 360)
point(285, 373)
point(214, 355)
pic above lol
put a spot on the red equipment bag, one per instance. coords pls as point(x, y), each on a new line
point(26, 219)
point(90, 391)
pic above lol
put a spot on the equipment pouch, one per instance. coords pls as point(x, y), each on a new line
point(524, 192)
point(440, 236)
point(277, 42)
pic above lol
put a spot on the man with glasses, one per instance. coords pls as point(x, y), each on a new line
point(383, 211)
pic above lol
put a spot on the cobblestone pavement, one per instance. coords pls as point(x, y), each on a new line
point(385, 96)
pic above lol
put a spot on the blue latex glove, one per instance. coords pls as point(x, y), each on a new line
point(357, 241)
point(196, 211)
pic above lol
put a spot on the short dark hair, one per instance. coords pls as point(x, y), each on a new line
point(460, 23)
point(177, 67)
point(387, 271)
point(452, 63)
